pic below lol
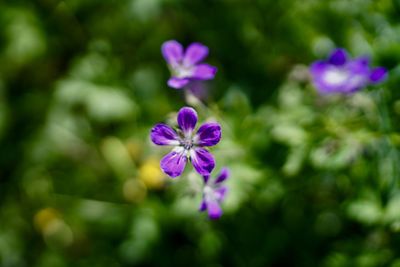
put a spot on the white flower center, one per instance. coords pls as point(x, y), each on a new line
point(187, 144)
point(187, 140)
point(209, 193)
point(182, 71)
point(335, 76)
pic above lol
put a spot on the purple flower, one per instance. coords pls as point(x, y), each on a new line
point(187, 144)
point(186, 66)
point(214, 193)
point(339, 74)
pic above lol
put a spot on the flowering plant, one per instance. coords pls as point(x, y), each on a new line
point(185, 65)
point(340, 74)
point(187, 144)
point(214, 192)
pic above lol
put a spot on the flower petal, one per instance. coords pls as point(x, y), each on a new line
point(359, 65)
point(318, 68)
point(202, 160)
point(223, 175)
point(378, 74)
point(220, 193)
point(204, 72)
point(324, 81)
point(208, 134)
point(338, 57)
point(187, 119)
point(214, 210)
point(163, 135)
point(195, 53)
point(174, 163)
point(358, 70)
point(172, 51)
point(362, 61)
point(206, 178)
point(178, 83)
point(203, 205)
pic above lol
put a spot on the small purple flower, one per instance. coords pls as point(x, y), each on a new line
point(186, 66)
point(214, 193)
point(339, 74)
point(187, 145)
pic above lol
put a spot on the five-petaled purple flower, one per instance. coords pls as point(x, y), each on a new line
point(214, 193)
point(339, 74)
point(187, 144)
point(185, 66)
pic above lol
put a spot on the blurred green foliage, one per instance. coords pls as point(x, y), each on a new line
point(315, 180)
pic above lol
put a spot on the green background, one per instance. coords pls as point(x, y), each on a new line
point(314, 178)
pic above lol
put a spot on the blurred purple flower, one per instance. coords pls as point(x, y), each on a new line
point(339, 74)
point(187, 144)
point(214, 193)
point(185, 65)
